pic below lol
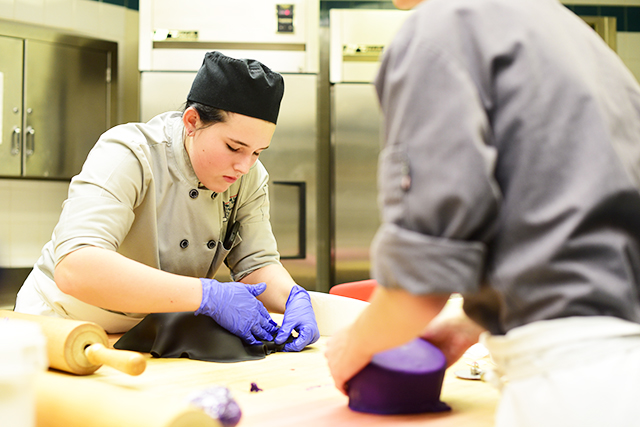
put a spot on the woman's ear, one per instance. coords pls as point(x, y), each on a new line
point(190, 119)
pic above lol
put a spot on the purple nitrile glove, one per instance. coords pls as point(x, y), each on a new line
point(234, 306)
point(299, 316)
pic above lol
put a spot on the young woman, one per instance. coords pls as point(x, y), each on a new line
point(159, 206)
point(512, 145)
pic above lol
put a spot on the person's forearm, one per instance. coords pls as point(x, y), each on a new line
point(109, 280)
point(279, 284)
point(393, 318)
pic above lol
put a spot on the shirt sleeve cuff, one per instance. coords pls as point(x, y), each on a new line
point(422, 264)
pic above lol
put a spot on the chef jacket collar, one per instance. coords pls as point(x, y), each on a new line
point(175, 134)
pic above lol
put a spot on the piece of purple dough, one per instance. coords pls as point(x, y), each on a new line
point(404, 380)
point(219, 404)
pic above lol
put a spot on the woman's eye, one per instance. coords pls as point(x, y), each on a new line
point(233, 149)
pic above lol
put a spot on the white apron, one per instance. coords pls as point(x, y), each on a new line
point(573, 372)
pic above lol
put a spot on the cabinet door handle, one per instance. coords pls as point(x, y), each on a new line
point(31, 141)
point(15, 141)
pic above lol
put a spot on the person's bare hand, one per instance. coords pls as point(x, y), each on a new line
point(453, 333)
point(345, 359)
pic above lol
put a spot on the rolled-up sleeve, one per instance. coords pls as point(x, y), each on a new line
point(438, 197)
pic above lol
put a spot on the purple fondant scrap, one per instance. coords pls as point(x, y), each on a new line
point(404, 380)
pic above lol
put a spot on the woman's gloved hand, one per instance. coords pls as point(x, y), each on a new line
point(299, 316)
point(234, 306)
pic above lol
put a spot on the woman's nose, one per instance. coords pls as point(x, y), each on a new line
point(243, 165)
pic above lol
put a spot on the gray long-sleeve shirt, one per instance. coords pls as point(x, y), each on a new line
point(511, 159)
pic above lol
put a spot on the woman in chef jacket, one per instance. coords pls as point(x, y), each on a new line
point(159, 206)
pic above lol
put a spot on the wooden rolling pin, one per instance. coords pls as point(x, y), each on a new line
point(70, 401)
point(80, 347)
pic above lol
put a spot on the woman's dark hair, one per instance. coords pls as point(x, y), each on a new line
point(208, 115)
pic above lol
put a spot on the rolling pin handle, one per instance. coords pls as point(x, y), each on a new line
point(129, 362)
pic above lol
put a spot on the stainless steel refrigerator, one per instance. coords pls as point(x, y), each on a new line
point(357, 40)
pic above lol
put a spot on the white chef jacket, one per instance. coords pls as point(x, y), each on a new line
point(137, 194)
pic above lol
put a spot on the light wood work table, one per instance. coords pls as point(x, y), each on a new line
point(297, 390)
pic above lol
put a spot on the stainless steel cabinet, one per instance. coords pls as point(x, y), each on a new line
point(291, 162)
point(11, 105)
point(356, 137)
point(57, 94)
point(357, 39)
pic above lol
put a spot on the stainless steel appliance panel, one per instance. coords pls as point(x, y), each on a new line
point(290, 160)
point(66, 105)
point(174, 38)
point(10, 105)
point(356, 136)
point(358, 39)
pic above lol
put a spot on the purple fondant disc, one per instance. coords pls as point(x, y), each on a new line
point(404, 380)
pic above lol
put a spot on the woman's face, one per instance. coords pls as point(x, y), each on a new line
point(223, 152)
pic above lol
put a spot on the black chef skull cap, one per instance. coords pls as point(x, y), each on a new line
point(243, 86)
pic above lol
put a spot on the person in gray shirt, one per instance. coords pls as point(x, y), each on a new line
point(511, 164)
